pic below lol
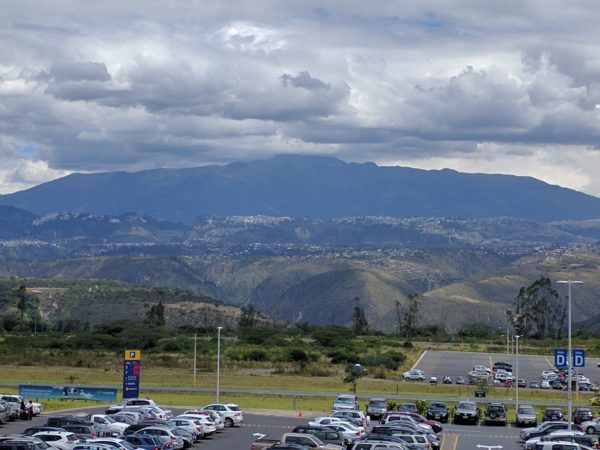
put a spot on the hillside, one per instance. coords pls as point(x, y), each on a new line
point(306, 186)
point(79, 304)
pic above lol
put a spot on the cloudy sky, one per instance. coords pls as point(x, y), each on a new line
point(496, 87)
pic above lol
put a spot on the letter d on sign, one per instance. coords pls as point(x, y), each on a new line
point(579, 358)
point(560, 357)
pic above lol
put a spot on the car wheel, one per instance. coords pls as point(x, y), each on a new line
point(228, 422)
point(590, 430)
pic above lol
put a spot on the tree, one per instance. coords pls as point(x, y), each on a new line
point(538, 310)
point(360, 324)
point(410, 318)
point(248, 317)
point(156, 314)
point(22, 302)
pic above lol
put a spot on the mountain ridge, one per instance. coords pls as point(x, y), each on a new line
point(306, 186)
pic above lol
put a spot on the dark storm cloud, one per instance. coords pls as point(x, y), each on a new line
point(128, 85)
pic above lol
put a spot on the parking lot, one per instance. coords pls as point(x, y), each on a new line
point(454, 364)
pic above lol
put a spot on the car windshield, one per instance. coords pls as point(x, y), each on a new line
point(109, 419)
point(466, 405)
point(526, 410)
point(378, 403)
point(495, 408)
point(344, 400)
point(437, 405)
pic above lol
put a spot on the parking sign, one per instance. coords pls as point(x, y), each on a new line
point(560, 357)
point(578, 357)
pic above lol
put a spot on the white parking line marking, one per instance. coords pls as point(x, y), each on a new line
point(419, 360)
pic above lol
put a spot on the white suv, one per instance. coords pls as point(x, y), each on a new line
point(231, 413)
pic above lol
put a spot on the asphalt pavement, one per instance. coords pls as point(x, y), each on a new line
point(454, 364)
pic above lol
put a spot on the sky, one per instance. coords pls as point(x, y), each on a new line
point(477, 86)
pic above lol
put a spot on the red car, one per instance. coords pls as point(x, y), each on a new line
point(435, 426)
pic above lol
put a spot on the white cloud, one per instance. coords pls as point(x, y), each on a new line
point(501, 87)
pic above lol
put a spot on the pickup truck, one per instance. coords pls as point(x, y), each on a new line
point(307, 440)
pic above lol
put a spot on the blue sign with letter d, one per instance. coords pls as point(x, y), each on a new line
point(579, 357)
point(560, 357)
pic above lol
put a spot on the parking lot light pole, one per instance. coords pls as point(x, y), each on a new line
point(517, 336)
point(569, 354)
point(218, 360)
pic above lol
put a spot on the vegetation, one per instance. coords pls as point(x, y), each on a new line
point(538, 310)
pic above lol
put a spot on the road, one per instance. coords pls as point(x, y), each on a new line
point(239, 438)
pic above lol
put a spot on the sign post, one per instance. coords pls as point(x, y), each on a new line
point(131, 373)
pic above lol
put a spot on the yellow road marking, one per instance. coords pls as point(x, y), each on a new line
point(455, 442)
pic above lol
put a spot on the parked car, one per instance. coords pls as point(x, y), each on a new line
point(526, 415)
point(466, 411)
point(23, 443)
point(495, 413)
point(82, 431)
point(591, 426)
point(502, 365)
point(191, 426)
point(32, 430)
point(63, 440)
point(447, 379)
point(437, 411)
point(141, 401)
point(376, 408)
point(108, 425)
point(461, 380)
point(581, 414)
point(205, 421)
point(164, 434)
point(356, 417)
point(545, 384)
point(146, 442)
point(231, 413)
point(560, 436)
point(546, 428)
point(4, 412)
point(15, 403)
point(418, 418)
point(534, 384)
point(414, 374)
point(417, 441)
point(408, 406)
point(553, 414)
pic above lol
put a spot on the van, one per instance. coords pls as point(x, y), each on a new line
point(347, 402)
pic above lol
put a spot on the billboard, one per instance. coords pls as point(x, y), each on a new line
point(68, 392)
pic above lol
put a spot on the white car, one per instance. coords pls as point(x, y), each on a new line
point(211, 416)
point(108, 425)
point(566, 435)
point(204, 420)
point(15, 402)
point(348, 430)
point(332, 420)
point(190, 425)
point(482, 369)
point(63, 440)
point(545, 384)
point(130, 402)
point(231, 413)
point(414, 374)
point(164, 434)
point(116, 443)
point(399, 418)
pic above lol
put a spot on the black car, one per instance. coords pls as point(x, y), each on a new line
point(502, 365)
point(581, 415)
point(553, 414)
point(557, 384)
point(437, 411)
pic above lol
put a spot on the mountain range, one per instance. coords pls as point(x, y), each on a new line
point(306, 186)
point(307, 238)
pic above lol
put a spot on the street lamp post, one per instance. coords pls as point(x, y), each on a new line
point(517, 336)
point(569, 353)
point(218, 360)
point(195, 340)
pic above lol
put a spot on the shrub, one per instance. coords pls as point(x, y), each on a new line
point(342, 356)
point(332, 335)
point(256, 355)
point(298, 355)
